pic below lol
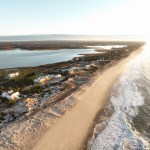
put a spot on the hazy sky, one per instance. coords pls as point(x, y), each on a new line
point(92, 17)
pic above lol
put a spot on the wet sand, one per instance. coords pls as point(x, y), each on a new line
point(71, 131)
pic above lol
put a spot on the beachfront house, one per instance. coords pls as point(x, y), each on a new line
point(74, 70)
point(42, 79)
point(10, 96)
point(58, 76)
point(13, 75)
point(46, 78)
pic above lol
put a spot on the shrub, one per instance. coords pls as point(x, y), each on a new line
point(33, 89)
point(11, 102)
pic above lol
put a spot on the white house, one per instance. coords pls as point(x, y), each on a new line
point(15, 95)
point(45, 78)
point(58, 76)
point(87, 67)
point(74, 70)
point(6, 95)
point(12, 75)
point(42, 79)
point(10, 96)
point(10, 92)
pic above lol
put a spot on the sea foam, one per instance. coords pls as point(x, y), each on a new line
point(125, 98)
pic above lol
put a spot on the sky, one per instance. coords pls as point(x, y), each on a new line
point(81, 17)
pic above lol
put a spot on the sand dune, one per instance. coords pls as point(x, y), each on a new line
point(70, 131)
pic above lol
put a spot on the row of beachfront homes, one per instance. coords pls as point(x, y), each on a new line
point(43, 79)
point(10, 95)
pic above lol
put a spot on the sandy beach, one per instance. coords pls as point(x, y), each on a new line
point(71, 131)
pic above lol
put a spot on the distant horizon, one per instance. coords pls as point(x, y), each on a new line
point(63, 34)
point(71, 37)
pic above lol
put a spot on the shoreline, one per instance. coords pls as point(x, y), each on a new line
point(84, 111)
point(103, 116)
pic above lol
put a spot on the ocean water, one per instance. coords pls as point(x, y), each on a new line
point(25, 58)
point(50, 37)
point(129, 126)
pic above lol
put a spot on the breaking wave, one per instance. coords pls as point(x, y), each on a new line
point(129, 126)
